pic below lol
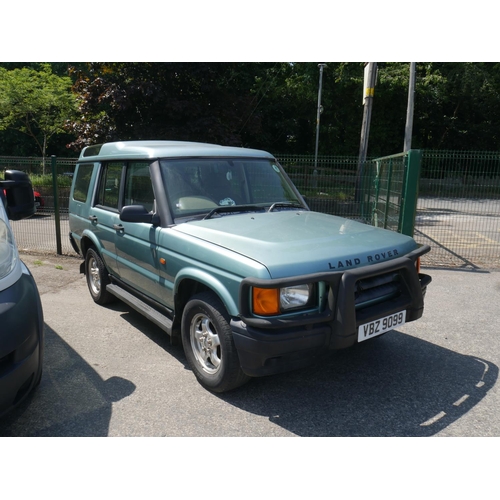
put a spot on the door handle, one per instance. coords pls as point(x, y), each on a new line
point(92, 218)
point(118, 227)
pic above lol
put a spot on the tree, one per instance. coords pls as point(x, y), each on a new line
point(36, 103)
point(207, 102)
point(273, 106)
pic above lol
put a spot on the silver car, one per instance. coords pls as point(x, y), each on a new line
point(21, 317)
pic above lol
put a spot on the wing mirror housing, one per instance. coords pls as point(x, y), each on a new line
point(137, 213)
point(17, 194)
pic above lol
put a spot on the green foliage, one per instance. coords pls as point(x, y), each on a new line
point(45, 180)
point(206, 102)
point(36, 103)
point(268, 106)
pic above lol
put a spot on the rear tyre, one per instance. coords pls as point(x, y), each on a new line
point(208, 343)
point(97, 278)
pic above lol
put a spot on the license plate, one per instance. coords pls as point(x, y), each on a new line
point(380, 326)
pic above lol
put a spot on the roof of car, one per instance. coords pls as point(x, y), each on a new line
point(164, 149)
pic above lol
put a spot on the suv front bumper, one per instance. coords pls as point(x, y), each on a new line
point(267, 347)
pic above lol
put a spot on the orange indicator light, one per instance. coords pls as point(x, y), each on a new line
point(266, 301)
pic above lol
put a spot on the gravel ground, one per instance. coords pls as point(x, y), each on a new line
point(52, 272)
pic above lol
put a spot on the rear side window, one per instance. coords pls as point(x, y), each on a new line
point(82, 181)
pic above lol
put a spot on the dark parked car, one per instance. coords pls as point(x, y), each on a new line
point(39, 201)
point(21, 317)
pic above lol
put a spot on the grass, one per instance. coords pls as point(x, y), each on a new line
point(45, 180)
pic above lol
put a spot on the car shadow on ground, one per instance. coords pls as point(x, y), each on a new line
point(72, 399)
point(396, 385)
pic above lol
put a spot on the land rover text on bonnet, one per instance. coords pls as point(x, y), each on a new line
point(217, 247)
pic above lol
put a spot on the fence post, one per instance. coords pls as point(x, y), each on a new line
point(56, 205)
point(388, 195)
point(363, 191)
point(410, 192)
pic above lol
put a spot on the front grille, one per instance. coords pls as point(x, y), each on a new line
point(377, 289)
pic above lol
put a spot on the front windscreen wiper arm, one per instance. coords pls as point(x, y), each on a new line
point(233, 209)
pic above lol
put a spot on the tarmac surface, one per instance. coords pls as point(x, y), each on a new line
point(110, 372)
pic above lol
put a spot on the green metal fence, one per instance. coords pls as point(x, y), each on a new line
point(40, 172)
point(457, 211)
point(47, 231)
point(329, 185)
point(381, 192)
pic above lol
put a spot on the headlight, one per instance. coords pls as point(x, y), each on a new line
point(293, 297)
point(8, 250)
point(271, 301)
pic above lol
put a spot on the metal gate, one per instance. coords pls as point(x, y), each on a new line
point(389, 189)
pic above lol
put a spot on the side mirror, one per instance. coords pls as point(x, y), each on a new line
point(19, 194)
point(137, 213)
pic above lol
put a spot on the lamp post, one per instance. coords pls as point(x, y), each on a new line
point(321, 66)
point(409, 111)
point(368, 93)
point(370, 79)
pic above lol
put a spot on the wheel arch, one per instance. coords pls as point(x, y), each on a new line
point(87, 241)
point(193, 282)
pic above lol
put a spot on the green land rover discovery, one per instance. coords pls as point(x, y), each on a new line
point(217, 247)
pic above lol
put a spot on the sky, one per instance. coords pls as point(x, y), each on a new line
point(263, 30)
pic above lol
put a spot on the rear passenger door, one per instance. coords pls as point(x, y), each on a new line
point(105, 215)
point(136, 243)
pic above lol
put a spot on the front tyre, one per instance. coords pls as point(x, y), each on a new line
point(208, 343)
point(97, 278)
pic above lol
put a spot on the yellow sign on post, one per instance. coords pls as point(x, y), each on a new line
point(368, 81)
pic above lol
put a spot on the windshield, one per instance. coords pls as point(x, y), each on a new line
point(198, 186)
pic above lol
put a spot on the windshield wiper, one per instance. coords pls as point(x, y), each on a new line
point(233, 209)
point(281, 204)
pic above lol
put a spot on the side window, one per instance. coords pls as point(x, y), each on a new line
point(138, 187)
point(82, 181)
point(109, 187)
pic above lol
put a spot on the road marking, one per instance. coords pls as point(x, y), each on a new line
point(485, 371)
point(434, 419)
point(487, 239)
point(461, 400)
